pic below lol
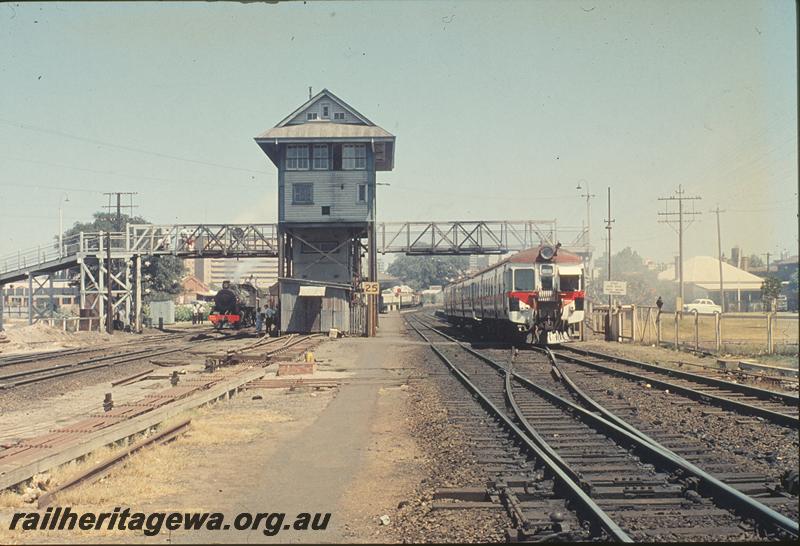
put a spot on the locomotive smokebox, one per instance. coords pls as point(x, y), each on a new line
point(225, 301)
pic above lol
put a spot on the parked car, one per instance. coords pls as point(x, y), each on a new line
point(702, 306)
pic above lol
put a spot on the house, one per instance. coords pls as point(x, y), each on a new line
point(193, 289)
point(327, 154)
point(701, 280)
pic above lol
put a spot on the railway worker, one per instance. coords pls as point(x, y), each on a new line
point(259, 321)
point(269, 318)
point(659, 303)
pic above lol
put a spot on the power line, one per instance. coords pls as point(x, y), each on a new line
point(122, 147)
point(120, 206)
point(109, 173)
point(668, 218)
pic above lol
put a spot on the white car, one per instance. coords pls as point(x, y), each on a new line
point(703, 307)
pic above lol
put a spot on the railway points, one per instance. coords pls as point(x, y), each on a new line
point(462, 377)
point(666, 523)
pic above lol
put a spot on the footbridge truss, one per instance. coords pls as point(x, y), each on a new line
point(96, 256)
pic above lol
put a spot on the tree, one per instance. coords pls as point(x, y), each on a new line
point(163, 274)
point(756, 261)
point(423, 271)
point(770, 290)
point(627, 265)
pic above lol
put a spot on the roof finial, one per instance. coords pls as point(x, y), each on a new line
point(309, 92)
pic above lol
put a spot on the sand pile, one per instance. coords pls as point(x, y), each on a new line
point(40, 337)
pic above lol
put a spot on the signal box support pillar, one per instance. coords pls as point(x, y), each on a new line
point(137, 312)
point(373, 276)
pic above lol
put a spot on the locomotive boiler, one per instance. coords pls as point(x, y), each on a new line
point(235, 305)
point(535, 297)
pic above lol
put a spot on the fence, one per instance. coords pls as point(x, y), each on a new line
point(727, 332)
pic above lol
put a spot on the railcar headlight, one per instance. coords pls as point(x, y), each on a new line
point(547, 252)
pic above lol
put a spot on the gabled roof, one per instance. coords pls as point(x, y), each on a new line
point(704, 272)
point(318, 96)
point(357, 129)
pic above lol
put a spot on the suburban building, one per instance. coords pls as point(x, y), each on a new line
point(701, 280)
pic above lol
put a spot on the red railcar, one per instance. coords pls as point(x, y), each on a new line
point(535, 296)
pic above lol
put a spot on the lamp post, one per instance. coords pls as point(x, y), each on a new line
point(63, 199)
point(588, 195)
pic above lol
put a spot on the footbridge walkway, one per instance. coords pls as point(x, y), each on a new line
point(98, 256)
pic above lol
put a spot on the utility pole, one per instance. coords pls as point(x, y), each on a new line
point(719, 258)
point(668, 218)
point(119, 205)
point(608, 222)
point(588, 268)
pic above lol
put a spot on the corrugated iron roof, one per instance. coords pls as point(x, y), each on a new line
point(324, 129)
point(704, 272)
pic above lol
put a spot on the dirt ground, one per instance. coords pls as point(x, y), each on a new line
point(25, 338)
point(690, 362)
point(350, 451)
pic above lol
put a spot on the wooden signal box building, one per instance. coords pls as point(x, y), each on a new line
point(327, 155)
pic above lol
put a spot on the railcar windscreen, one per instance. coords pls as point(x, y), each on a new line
point(523, 279)
point(570, 282)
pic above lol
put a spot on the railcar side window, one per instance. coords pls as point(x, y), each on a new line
point(523, 279)
point(570, 282)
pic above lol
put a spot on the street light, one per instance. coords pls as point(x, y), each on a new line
point(63, 199)
point(588, 196)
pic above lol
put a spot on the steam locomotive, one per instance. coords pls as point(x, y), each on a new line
point(235, 305)
point(534, 297)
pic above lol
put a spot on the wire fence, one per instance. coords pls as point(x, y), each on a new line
point(744, 333)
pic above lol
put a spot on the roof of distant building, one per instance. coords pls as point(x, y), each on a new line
point(703, 271)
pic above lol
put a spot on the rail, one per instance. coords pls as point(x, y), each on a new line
point(524, 436)
point(601, 418)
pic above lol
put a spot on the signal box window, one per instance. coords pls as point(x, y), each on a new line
point(321, 157)
point(354, 157)
point(296, 158)
point(326, 211)
point(303, 194)
point(338, 115)
point(311, 116)
point(362, 193)
point(523, 280)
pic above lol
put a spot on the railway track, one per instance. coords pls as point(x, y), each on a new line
point(545, 502)
point(13, 360)
point(162, 346)
point(775, 407)
point(650, 492)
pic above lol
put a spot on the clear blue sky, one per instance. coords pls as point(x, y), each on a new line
point(499, 109)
